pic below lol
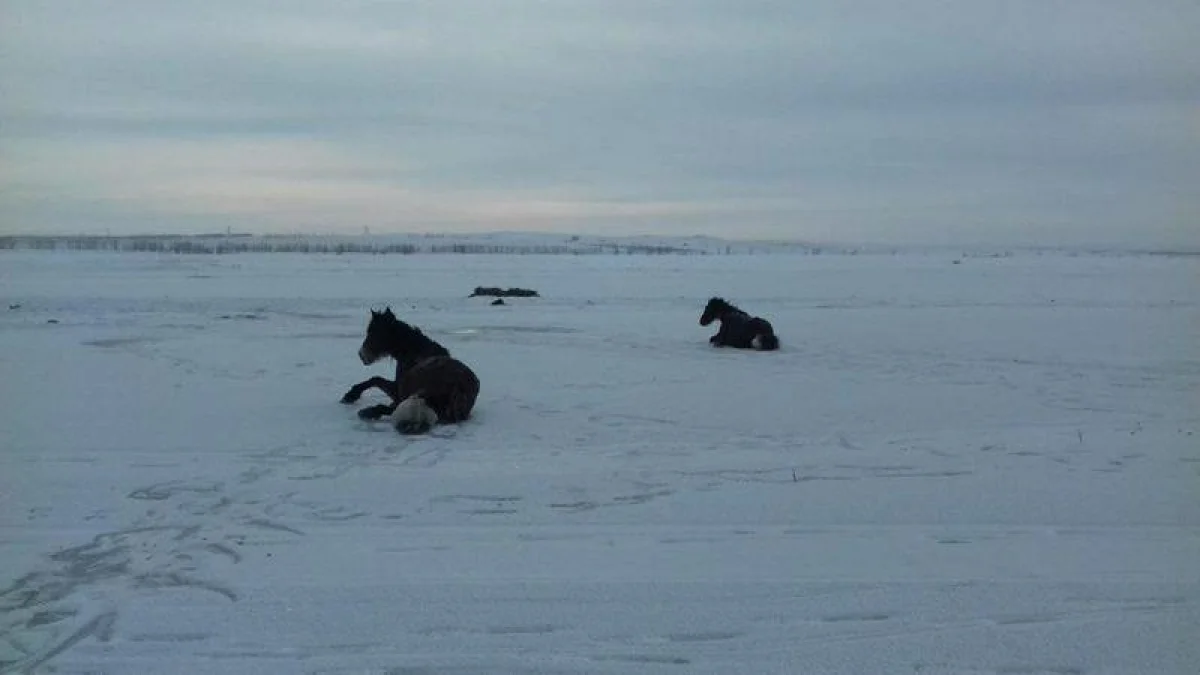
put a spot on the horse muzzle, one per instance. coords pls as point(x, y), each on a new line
point(366, 356)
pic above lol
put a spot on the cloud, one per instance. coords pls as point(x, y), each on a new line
point(1021, 120)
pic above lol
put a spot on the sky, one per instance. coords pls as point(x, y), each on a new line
point(923, 121)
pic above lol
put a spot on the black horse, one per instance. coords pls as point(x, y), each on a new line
point(738, 329)
point(431, 386)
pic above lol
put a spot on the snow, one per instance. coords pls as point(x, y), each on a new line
point(978, 467)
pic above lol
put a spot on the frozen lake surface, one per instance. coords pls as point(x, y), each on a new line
point(986, 467)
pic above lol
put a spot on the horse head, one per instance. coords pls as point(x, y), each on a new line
point(389, 336)
point(715, 308)
point(381, 333)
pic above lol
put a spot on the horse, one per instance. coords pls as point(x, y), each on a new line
point(738, 329)
point(431, 387)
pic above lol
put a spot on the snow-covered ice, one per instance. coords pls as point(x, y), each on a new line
point(985, 467)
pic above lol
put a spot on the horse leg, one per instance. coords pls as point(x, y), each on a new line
point(721, 338)
point(374, 412)
point(385, 385)
point(389, 387)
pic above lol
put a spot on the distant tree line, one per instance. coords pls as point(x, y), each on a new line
point(516, 244)
point(229, 244)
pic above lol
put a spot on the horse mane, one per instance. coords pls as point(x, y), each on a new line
point(410, 337)
point(724, 304)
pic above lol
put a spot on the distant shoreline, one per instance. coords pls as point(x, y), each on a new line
point(518, 243)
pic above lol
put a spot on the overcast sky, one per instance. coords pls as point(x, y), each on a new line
point(1013, 121)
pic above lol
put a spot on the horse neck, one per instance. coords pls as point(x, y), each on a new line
point(422, 348)
point(733, 313)
point(407, 361)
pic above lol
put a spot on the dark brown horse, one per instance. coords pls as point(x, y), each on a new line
point(738, 329)
point(431, 387)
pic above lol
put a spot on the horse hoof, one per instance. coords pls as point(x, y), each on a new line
point(369, 414)
point(349, 397)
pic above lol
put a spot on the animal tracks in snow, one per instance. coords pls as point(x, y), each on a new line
point(481, 505)
point(189, 530)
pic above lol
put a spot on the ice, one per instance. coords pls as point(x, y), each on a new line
point(981, 467)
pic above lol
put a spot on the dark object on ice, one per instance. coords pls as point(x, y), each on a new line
point(15, 305)
point(738, 329)
point(497, 302)
point(496, 292)
point(51, 320)
point(438, 383)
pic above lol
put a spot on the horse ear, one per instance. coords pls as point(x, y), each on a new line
point(388, 312)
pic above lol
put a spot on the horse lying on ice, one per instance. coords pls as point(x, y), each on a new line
point(431, 387)
point(738, 329)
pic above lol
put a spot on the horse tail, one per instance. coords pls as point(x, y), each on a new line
point(465, 396)
point(459, 404)
point(460, 398)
